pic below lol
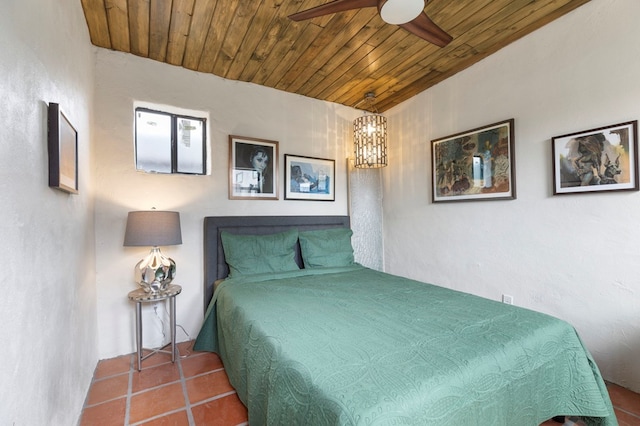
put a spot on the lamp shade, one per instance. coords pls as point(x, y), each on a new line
point(153, 228)
point(370, 141)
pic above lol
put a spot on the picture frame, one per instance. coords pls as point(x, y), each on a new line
point(253, 168)
point(62, 147)
point(475, 165)
point(309, 178)
point(596, 160)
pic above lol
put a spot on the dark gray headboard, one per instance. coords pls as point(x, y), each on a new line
point(215, 266)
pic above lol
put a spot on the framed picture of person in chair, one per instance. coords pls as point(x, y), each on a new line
point(308, 178)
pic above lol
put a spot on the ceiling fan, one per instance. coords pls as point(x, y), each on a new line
point(408, 14)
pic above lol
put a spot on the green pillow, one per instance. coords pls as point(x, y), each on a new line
point(257, 254)
point(326, 248)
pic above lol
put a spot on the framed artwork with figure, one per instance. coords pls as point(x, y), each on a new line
point(253, 168)
point(596, 160)
point(475, 165)
point(309, 178)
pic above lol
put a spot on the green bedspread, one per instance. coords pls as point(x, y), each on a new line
point(353, 346)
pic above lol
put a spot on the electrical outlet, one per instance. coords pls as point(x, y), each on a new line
point(507, 299)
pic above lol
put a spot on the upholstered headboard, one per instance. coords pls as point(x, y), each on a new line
point(215, 265)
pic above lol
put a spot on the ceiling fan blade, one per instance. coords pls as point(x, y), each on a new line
point(332, 7)
point(426, 29)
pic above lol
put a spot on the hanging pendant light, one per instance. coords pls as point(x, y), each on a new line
point(370, 137)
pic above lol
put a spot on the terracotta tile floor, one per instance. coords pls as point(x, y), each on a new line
point(195, 391)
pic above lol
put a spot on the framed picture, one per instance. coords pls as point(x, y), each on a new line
point(308, 178)
point(63, 151)
point(478, 164)
point(253, 169)
point(602, 159)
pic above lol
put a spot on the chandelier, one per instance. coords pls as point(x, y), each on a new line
point(370, 137)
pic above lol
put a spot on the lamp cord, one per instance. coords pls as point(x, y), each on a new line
point(164, 336)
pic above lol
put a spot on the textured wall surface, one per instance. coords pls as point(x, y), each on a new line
point(573, 256)
point(48, 303)
point(365, 209)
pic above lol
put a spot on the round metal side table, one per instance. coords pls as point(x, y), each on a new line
point(140, 296)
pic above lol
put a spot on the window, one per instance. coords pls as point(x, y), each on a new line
point(170, 143)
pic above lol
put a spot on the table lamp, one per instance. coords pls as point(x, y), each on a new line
point(153, 228)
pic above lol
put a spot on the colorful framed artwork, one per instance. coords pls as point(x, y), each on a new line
point(253, 169)
point(309, 178)
point(63, 151)
point(596, 160)
point(475, 165)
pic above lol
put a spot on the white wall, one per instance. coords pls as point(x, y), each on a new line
point(302, 126)
point(47, 309)
point(573, 256)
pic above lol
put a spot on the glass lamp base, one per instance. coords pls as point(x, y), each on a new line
point(155, 272)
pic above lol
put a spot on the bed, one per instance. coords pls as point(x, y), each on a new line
point(325, 341)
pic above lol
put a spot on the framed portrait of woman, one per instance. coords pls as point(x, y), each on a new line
point(253, 168)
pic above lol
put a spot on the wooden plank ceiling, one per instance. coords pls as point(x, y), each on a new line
point(337, 58)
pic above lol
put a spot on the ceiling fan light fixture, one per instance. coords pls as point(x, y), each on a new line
point(399, 12)
point(408, 14)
